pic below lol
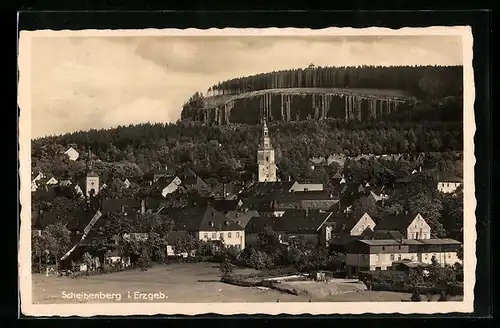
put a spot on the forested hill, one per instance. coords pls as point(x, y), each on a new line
point(421, 81)
point(343, 93)
point(222, 152)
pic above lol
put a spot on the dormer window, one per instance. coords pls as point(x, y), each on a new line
point(211, 223)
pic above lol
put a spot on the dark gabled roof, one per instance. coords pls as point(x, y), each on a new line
point(173, 236)
point(301, 221)
point(395, 222)
point(407, 179)
point(258, 224)
point(229, 188)
point(163, 182)
point(72, 220)
point(242, 218)
point(337, 176)
point(196, 183)
point(223, 205)
point(200, 219)
point(299, 196)
point(342, 223)
point(384, 234)
point(273, 187)
point(115, 205)
point(447, 177)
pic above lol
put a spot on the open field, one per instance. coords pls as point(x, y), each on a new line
point(186, 282)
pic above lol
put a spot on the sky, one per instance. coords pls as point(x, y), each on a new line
point(81, 83)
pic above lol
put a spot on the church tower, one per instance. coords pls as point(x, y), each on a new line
point(265, 158)
point(92, 179)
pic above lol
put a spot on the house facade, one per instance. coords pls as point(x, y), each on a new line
point(412, 225)
point(447, 182)
point(206, 223)
point(370, 255)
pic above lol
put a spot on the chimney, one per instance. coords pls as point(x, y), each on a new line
point(123, 208)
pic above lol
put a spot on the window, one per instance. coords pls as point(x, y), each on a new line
point(267, 158)
point(377, 257)
point(449, 255)
point(399, 247)
point(205, 236)
point(237, 235)
point(425, 236)
point(228, 235)
point(392, 257)
point(306, 189)
point(399, 257)
point(383, 248)
point(221, 235)
point(213, 236)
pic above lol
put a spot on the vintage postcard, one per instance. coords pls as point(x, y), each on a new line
point(247, 171)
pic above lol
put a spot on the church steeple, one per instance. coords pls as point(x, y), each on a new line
point(265, 157)
point(265, 141)
point(92, 180)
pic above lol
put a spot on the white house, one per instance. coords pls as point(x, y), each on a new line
point(171, 187)
point(411, 226)
point(72, 154)
point(447, 182)
point(52, 181)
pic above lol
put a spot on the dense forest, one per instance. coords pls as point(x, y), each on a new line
point(422, 81)
point(224, 151)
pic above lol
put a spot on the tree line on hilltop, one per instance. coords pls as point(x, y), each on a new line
point(422, 81)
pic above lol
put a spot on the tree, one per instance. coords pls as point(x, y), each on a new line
point(57, 240)
point(365, 205)
point(430, 209)
point(226, 268)
point(37, 248)
point(415, 296)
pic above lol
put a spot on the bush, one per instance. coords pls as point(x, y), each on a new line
point(260, 260)
point(226, 268)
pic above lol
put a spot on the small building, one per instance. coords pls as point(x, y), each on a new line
point(72, 154)
point(226, 206)
point(167, 185)
point(447, 182)
point(195, 184)
point(410, 225)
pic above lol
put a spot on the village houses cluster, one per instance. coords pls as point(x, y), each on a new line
point(237, 213)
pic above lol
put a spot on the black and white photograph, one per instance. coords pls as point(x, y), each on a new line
point(242, 171)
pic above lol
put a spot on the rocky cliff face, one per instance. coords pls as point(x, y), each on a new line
point(299, 104)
